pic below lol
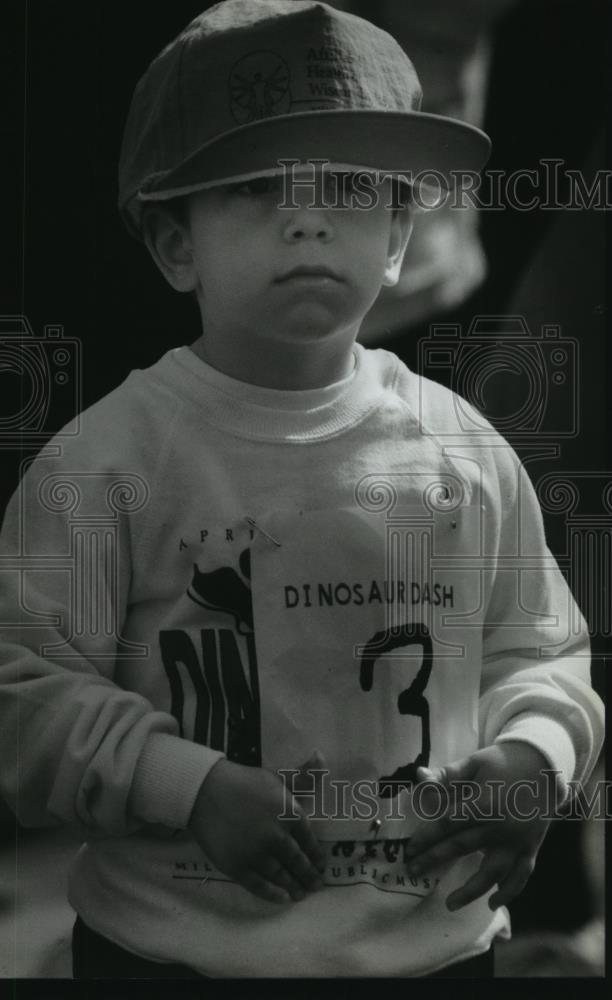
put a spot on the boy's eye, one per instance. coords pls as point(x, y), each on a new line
point(347, 183)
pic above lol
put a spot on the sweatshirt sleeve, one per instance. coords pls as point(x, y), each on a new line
point(74, 745)
point(536, 654)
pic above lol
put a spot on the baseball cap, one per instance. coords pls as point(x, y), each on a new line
point(249, 83)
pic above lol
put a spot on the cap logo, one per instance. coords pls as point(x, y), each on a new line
point(259, 87)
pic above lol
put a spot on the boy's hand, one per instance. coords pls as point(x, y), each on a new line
point(236, 822)
point(510, 843)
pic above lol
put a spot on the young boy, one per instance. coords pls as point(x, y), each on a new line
point(277, 558)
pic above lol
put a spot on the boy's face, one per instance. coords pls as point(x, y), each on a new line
point(270, 278)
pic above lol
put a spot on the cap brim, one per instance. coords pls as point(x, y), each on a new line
point(431, 149)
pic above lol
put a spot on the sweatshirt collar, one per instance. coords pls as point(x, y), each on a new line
point(262, 413)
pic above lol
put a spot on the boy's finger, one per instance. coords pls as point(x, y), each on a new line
point(264, 889)
point(440, 819)
point(296, 862)
point(273, 871)
point(446, 850)
point(310, 776)
point(494, 867)
point(514, 883)
point(303, 835)
point(457, 770)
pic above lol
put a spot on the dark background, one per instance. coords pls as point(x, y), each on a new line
point(69, 71)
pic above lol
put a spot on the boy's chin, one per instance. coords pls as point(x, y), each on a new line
point(313, 322)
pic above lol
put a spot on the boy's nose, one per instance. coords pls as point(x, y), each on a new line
point(308, 224)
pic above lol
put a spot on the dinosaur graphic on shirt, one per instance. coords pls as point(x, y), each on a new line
point(220, 665)
point(224, 589)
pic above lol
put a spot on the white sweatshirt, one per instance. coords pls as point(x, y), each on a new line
point(209, 568)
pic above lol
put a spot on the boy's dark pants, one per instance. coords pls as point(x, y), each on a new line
point(95, 957)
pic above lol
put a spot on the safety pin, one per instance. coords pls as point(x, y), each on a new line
point(253, 523)
point(375, 827)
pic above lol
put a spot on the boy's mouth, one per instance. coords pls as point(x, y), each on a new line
point(309, 272)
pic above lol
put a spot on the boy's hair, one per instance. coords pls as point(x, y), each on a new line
point(248, 84)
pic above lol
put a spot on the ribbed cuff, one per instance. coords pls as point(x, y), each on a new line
point(549, 737)
point(167, 778)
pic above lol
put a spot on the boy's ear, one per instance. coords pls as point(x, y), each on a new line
point(168, 240)
point(401, 228)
